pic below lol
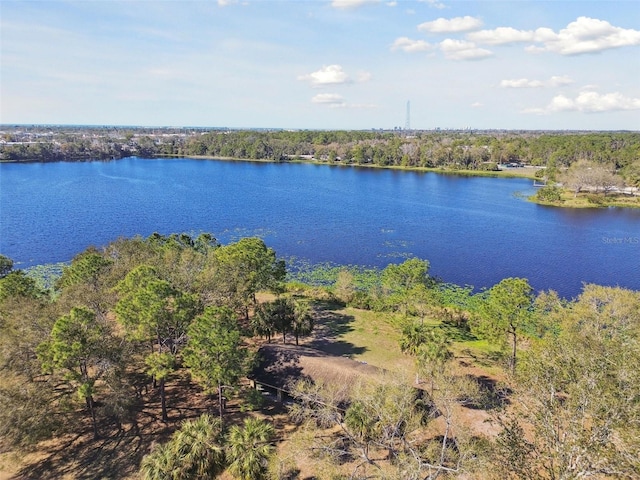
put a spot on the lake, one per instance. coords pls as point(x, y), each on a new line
point(473, 230)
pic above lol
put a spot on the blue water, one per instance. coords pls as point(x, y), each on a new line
point(473, 231)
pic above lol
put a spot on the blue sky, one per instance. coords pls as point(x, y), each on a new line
point(322, 64)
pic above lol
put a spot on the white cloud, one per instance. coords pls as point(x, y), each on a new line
point(585, 35)
point(521, 83)
point(477, 104)
point(333, 100)
point(452, 25)
point(343, 4)
point(408, 45)
point(434, 4)
point(560, 80)
point(330, 99)
point(501, 36)
point(327, 75)
point(462, 50)
point(589, 102)
point(589, 35)
point(555, 81)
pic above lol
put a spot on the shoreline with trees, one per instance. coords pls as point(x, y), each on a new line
point(560, 159)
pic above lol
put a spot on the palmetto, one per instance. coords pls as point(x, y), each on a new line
point(249, 449)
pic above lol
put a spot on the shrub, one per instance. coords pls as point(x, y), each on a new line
point(490, 167)
point(253, 400)
point(361, 300)
point(595, 199)
point(549, 194)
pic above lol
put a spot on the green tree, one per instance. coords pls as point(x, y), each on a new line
point(154, 312)
point(302, 323)
point(160, 464)
point(86, 267)
point(345, 288)
point(26, 402)
point(433, 354)
point(429, 345)
point(275, 316)
point(284, 315)
point(242, 269)
point(398, 281)
point(214, 351)
point(549, 193)
point(249, 449)
point(194, 451)
point(507, 311)
point(151, 310)
point(159, 367)
point(79, 346)
point(405, 276)
point(6, 265)
point(199, 447)
point(576, 394)
point(261, 321)
point(85, 282)
point(17, 284)
point(413, 337)
point(361, 425)
point(421, 300)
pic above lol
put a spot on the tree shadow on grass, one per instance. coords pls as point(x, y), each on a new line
point(457, 333)
point(494, 394)
point(330, 326)
point(486, 359)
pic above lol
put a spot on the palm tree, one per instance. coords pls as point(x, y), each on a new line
point(261, 321)
point(433, 355)
point(249, 449)
point(362, 425)
point(413, 336)
point(198, 446)
point(160, 464)
point(194, 452)
point(302, 320)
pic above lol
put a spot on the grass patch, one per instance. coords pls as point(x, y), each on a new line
point(590, 200)
point(374, 338)
point(366, 336)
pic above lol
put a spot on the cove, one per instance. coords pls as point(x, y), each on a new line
point(473, 230)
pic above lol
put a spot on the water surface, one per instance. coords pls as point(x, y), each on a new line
point(474, 231)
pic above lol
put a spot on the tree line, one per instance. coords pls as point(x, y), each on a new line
point(138, 314)
point(452, 150)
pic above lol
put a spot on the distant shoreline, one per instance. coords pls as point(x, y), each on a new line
point(520, 172)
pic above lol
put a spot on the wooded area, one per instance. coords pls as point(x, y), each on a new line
point(138, 358)
point(618, 152)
